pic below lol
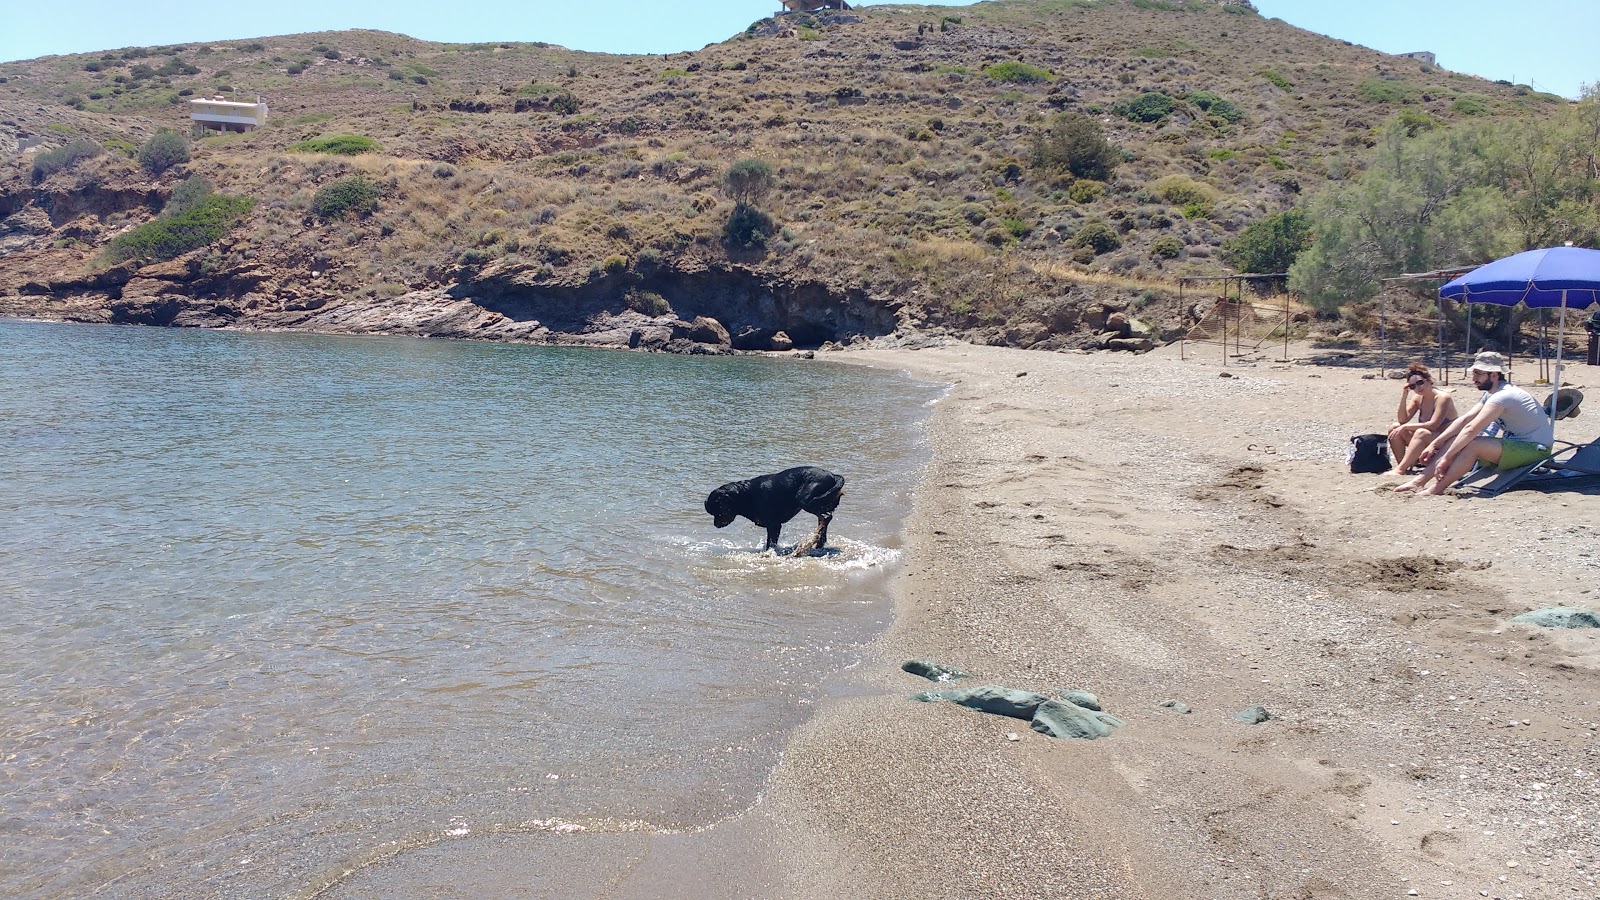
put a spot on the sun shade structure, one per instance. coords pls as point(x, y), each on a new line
point(1552, 278)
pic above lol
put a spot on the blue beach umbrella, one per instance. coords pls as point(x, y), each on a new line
point(1552, 278)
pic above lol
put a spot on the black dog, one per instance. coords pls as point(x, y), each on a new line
point(771, 500)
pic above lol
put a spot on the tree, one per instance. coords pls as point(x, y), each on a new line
point(748, 181)
point(1074, 144)
point(164, 149)
point(1420, 205)
point(1270, 245)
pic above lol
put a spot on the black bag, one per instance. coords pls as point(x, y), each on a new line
point(1369, 453)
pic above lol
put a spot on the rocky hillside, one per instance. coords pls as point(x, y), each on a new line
point(526, 191)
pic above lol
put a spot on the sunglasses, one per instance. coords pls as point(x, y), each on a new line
point(1417, 382)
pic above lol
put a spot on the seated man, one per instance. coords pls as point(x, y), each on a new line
point(1526, 435)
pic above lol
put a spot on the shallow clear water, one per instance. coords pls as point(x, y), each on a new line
point(273, 604)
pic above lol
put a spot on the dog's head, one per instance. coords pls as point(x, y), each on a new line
point(722, 504)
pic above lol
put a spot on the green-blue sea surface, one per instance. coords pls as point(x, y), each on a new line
point(276, 605)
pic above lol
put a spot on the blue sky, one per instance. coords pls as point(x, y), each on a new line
point(1552, 44)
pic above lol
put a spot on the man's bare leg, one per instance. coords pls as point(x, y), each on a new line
point(1484, 450)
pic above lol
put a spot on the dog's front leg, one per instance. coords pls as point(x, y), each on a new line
point(772, 537)
point(822, 530)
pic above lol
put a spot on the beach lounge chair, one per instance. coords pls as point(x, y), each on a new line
point(1568, 461)
point(1566, 466)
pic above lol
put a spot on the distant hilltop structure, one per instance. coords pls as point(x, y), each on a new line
point(813, 5)
point(1423, 56)
point(217, 114)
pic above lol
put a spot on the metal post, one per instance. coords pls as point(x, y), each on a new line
point(1561, 328)
point(1444, 354)
point(1286, 323)
point(1383, 329)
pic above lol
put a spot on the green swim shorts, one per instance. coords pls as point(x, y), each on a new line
point(1516, 454)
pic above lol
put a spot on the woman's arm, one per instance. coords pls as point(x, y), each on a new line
point(1402, 414)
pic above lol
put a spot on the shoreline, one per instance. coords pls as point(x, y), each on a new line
point(1145, 529)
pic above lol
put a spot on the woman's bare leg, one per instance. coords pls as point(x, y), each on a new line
point(1418, 443)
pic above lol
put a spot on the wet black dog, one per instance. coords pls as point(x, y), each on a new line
point(771, 500)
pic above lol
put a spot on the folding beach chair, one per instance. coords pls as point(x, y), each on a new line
point(1579, 462)
point(1565, 466)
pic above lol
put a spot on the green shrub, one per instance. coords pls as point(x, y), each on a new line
point(1415, 121)
point(1148, 107)
point(748, 181)
point(353, 196)
point(1097, 237)
point(1379, 90)
point(1166, 247)
point(49, 162)
point(748, 227)
point(1074, 144)
point(186, 196)
point(615, 264)
point(340, 144)
point(1282, 83)
point(172, 236)
point(1270, 245)
point(1017, 228)
point(1016, 72)
point(1226, 110)
point(565, 103)
point(1470, 105)
point(163, 150)
point(1085, 190)
point(1183, 191)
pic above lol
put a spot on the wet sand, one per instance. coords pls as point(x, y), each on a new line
point(1145, 529)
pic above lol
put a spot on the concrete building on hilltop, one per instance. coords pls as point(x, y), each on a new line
point(813, 5)
point(217, 114)
point(1423, 56)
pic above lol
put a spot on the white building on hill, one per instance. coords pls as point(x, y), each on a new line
point(217, 114)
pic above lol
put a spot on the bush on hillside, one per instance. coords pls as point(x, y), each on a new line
point(171, 236)
point(748, 181)
point(49, 162)
point(187, 195)
point(748, 228)
point(1379, 90)
point(1226, 110)
point(340, 144)
point(1194, 197)
point(1270, 245)
point(1167, 246)
point(565, 103)
point(353, 196)
point(164, 150)
point(1152, 106)
point(1016, 72)
point(1074, 144)
point(1098, 237)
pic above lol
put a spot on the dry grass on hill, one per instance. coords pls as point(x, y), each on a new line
point(902, 163)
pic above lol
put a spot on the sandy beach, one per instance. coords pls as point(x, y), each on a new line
point(1147, 529)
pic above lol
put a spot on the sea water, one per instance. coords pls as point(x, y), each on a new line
point(274, 605)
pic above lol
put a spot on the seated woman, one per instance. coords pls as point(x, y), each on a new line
point(1431, 409)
